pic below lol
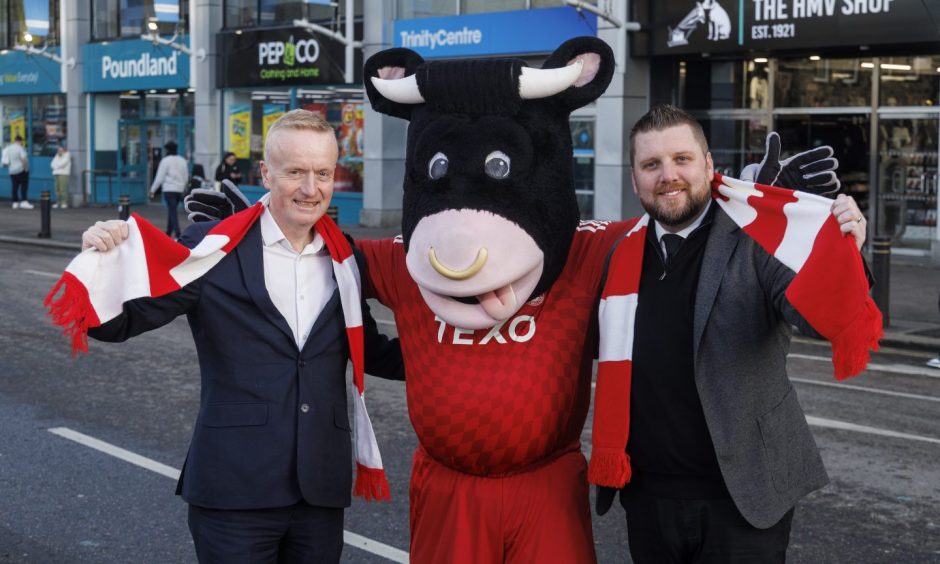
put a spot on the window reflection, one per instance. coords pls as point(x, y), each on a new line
point(910, 81)
point(806, 83)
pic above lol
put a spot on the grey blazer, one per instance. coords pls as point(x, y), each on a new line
point(741, 337)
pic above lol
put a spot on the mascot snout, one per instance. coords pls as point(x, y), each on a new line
point(474, 268)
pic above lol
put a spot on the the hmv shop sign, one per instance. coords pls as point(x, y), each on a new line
point(724, 26)
point(276, 57)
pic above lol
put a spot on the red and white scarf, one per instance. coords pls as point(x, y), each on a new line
point(830, 291)
point(149, 264)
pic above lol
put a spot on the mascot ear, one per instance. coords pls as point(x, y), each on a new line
point(597, 70)
point(390, 65)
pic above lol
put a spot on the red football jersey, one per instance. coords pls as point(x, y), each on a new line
point(496, 401)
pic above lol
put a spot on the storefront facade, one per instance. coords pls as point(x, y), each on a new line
point(268, 72)
point(862, 76)
point(139, 99)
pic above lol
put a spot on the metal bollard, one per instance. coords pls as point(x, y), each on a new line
point(881, 270)
point(45, 215)
point(333, 213)
point(124, 207)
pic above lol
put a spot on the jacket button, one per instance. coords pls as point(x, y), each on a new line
point(301, 363)
point(304, 408)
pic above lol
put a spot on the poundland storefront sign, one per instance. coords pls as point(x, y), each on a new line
point(278, 57)
point(134, 65)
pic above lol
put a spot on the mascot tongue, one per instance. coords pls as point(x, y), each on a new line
point(499, 303)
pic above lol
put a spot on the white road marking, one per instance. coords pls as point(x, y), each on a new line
point(890, 368)
point(865, 389)
point(43, 273)
point(117, 452)
point(833, 424)
point(375, 547)
point(350, 538)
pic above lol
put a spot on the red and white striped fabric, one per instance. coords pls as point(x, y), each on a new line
point(830, 291)
point(96, 285)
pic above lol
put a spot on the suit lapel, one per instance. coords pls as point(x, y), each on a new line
point(252, 265)
point(722, 240)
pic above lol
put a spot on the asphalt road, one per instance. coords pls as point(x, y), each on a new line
point(62, 501)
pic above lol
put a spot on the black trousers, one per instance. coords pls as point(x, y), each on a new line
point(300, 533)
point(20, 182)
point(662, 530)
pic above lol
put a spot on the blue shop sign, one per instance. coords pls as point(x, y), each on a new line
point(496, 33)
point(134, 64)
point(29, 74)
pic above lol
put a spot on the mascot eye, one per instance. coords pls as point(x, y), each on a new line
point(437, 168)
point(497, 165)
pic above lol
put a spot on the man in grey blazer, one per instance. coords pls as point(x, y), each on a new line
point(720, 449)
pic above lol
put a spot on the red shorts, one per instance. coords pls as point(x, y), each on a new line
point(542, 515)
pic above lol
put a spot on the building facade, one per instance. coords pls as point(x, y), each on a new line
point(116, 79)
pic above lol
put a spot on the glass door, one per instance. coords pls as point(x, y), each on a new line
point(907, 179)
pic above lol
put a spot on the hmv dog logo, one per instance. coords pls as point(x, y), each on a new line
point(708, 13)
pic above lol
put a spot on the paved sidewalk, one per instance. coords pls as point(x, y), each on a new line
point(915, 281)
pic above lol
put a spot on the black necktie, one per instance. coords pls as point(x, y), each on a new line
point(672, 242)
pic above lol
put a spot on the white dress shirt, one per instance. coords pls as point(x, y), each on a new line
point(299, 284)
point(660, 231)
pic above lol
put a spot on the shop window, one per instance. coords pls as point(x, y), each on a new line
point(481, 6)
point(426, 9)
point(132, 18)
point(13, 117)
point(252, 13)
point(49, 124)
point(848, 135)
point(163, 104)
point(734, 143)
point(910, 81)
point(907, 179)
point(818, 83)
point(723, 85)
point(29, 22)
point(582, 143)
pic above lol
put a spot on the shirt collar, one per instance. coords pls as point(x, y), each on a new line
point(272, 235)
point(660, 231)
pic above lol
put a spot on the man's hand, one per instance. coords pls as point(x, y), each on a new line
point(208, 205)
point(811, 171)
point(850, 218)
point(105, 235)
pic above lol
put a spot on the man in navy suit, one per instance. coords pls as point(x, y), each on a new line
point(269, 470)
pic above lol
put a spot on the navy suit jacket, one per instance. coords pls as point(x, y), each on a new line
point(272, 427)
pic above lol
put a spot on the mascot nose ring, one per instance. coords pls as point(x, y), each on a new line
point(458, 274)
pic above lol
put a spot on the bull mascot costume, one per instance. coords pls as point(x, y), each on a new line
point(494, 284)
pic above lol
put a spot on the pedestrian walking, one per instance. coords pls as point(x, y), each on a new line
point(61, 168)
point(172, 177)
point(15, 157)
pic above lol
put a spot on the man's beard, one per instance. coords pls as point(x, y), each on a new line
point(695, 203)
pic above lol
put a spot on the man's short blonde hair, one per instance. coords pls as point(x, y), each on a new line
point(299, 119)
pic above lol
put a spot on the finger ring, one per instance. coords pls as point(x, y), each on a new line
point(859, 220)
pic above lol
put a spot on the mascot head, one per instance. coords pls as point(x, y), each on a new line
point(489, 208)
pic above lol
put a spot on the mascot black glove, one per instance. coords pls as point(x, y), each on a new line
point(811, 171)
point(209, 205)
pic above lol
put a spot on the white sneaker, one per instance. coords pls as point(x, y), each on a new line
point(16, 205)
point(24, 205)
point(934, 362)
point(64, 206)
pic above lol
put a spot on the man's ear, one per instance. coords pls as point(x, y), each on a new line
point(596, 72)
point(264, 175)
point(390, 64)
